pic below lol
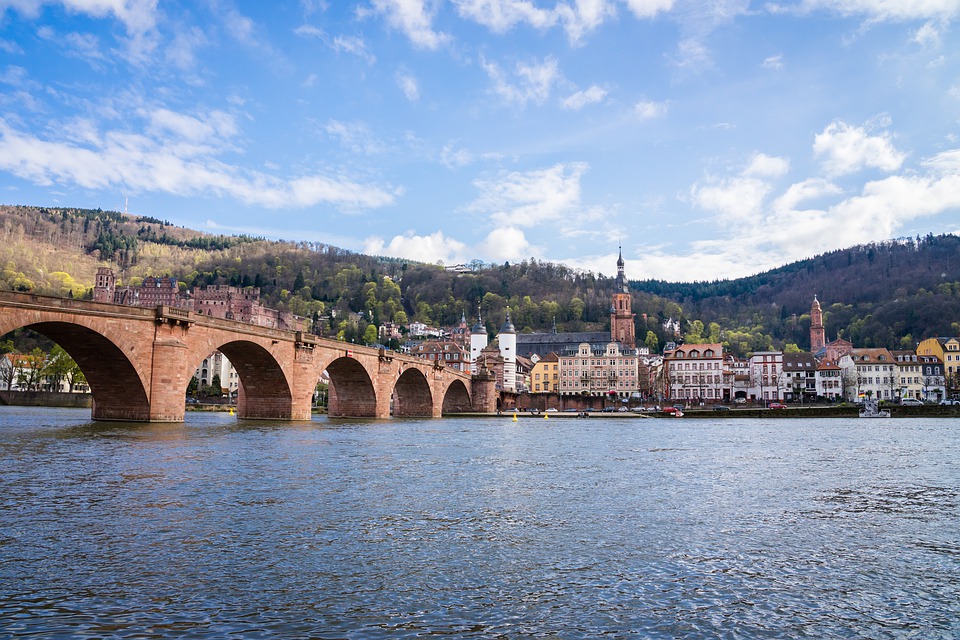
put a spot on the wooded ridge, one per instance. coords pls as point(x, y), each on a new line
point(890, 294)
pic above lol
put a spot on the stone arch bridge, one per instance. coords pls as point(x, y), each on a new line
point(138, 363)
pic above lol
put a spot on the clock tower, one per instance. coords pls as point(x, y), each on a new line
point(621, 314)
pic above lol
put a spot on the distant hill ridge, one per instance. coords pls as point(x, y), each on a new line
point(889, 294)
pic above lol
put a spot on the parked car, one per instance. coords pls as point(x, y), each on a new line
point(721, 407)
point(570, 409)
point(950, 402)
point(911, 402)
point(740, 400)
point(622, 409)
point(609, 409)
point(776, 405)
point(551, 410)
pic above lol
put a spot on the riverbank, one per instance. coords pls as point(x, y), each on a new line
point(827, 411)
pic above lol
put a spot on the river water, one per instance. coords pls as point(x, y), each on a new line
point(484, 528)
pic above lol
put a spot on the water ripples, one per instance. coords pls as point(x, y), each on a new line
point(476, 528)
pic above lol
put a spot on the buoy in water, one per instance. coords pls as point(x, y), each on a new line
point(514, 417)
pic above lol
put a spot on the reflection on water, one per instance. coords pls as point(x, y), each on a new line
point(478, 528)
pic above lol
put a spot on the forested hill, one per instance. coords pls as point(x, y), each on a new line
point(888, 294)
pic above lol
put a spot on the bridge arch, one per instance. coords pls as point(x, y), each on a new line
point(411, 395)
point(116, 384)
point(352, 393)
point(264, 391)
point(456, 399)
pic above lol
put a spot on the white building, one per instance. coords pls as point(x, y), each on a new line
point(695, 373)
point(766, 369)
point(869, 373)
point(217, 364)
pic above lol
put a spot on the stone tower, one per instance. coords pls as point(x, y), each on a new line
point(817, 334)
point(621, 314)
point(104, 285)
point(478, 340)
point(508, 350)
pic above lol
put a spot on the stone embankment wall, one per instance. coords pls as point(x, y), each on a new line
point(45, 399)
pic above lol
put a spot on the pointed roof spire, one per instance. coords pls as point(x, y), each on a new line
point(507, 325)
point(479, 328)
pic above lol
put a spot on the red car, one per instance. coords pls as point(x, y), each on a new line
point(776, 405)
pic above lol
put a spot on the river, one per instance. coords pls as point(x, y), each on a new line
point(479, 527)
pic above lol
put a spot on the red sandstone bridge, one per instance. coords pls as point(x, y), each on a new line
point(138, 363)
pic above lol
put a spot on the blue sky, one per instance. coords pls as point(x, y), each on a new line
point(711, 140)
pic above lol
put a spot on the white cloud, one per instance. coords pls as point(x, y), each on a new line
point(649, 8)
point(210, 127)
point(577, 18)
point(355, 136)
point(408, 84)
point(526, 199)
point(414, 19)
point(128, 162)
point(877, 11)
point(648, 110)
point(755, 232)
point(580, 99)
point(137, 16)
point(505, 243)
point(503, 15)
point(182, 50)
point(535, 81)
point(929, 35)
point(435, 247)
point(774, 63)
point(353, 45)
point(453, 158)
point(764, 166)
point(846, 149)
point(800, 192)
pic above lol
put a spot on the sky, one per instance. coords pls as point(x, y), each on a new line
point(709, 140)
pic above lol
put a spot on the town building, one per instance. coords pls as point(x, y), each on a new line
point(829, 380)
point(948, 350)
point(446, 352)
point(766, 369)
point(609, 372)
point(909, 382)
point(798, 381)
point(216, 367)
point(545, 375)
point(934, 378)
point(695, 373)
point(869, 373)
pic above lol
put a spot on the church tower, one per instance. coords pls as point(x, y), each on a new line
point(621, 314)
point(817, 334)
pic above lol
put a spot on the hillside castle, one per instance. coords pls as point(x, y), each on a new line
point(218, 301)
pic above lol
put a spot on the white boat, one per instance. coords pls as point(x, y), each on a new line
point(871, 409)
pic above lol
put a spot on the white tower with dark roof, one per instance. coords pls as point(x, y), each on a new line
point(508, 351)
